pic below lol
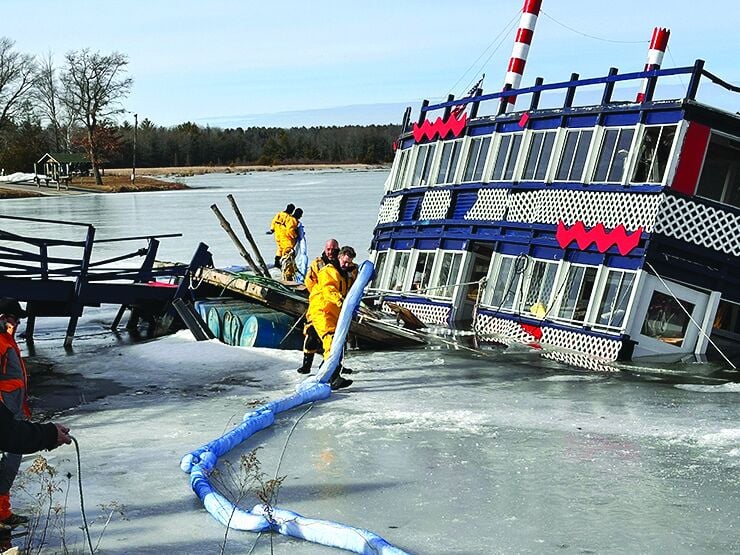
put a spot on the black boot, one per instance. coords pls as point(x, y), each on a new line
point(277, 262)
point(345, 370)
point(307, 362)
point(338, 382)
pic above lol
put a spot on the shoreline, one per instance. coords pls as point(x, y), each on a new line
point(118, 180)
point(200, 170)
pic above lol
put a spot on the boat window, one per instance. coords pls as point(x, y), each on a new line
point(720, 176)
point(665, 320)
point(422, 272)
point(446, 275)
point(615, 147)
point(540, 287)
point(403, 164)
point(653, 154)
point(508, 150)
point(423, 165)
point(538, 157)
point(575, 150)
point(502, 290)
point(727, 318)
point(579, 285)
point(476, 159)
point(448, 162)
point(380, 261)
point(398, 270)
point(614, 299)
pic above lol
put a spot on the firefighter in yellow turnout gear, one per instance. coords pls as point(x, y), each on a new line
point(278, 228)
point(325, 303)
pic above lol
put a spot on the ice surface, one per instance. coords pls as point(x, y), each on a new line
point(437, 451)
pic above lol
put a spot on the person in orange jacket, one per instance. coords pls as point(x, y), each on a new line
point(14, 395)
point(325, 303)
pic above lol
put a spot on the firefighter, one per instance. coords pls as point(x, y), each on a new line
point(331, 250)
point(325, 303)
point(277, 227)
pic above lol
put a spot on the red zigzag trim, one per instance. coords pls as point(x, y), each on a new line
point(430, 130)
point(598, 235)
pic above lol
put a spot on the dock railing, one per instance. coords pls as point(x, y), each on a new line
point(59, 277)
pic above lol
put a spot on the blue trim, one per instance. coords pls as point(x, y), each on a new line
point(480, 131)
point(663, 117)
point(544, 123)
point(621, 120)
point(417, 300)
point(579, 122)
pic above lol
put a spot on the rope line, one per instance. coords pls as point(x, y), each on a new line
point(591, 36)
point(82, 499)
point(499, 38)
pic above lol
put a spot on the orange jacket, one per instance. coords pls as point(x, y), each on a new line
point(13, 377)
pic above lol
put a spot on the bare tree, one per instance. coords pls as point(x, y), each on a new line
point(94, 85)
point(17, 74)
point(51, 104)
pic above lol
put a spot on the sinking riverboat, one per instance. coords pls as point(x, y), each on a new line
point(597, 232)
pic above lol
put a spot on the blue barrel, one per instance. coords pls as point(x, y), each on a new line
point(234, 318)
point(215, 311)
point(204, 305)
point(268, 330)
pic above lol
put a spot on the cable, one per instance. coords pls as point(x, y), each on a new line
point(82, 499)
point(506, 28)
point(591, 36)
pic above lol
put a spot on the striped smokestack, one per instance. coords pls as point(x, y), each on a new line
point(530, 11)
point(658, 44)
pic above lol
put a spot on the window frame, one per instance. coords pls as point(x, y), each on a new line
point(453, 164)
point(508, 164)
point(626, 163)
point(588, 155)
point(533, 136)
point(481, 159)
point(669, 157)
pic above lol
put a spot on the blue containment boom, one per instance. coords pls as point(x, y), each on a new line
point(202, 461)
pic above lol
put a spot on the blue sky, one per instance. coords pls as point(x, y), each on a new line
point(229, 62)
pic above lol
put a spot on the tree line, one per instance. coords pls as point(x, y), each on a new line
point(77, 106)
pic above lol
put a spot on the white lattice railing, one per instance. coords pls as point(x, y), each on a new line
point(435, 204)
point(390, 210)
point(699, 224)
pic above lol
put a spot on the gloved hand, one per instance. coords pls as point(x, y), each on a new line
point(269, 232)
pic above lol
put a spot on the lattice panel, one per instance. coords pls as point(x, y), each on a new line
point(427, 313)
point(390, 209)
point(699, 224)
point(599, 347)
point(509, 331)
point(435, 205)
point(632, 210)
point(490, 205)
point(582, 361)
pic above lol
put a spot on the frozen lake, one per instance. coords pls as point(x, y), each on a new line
point(438, 451)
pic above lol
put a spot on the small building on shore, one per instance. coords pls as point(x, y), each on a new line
point(62, 166)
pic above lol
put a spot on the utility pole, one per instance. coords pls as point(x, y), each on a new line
point(133, 163)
